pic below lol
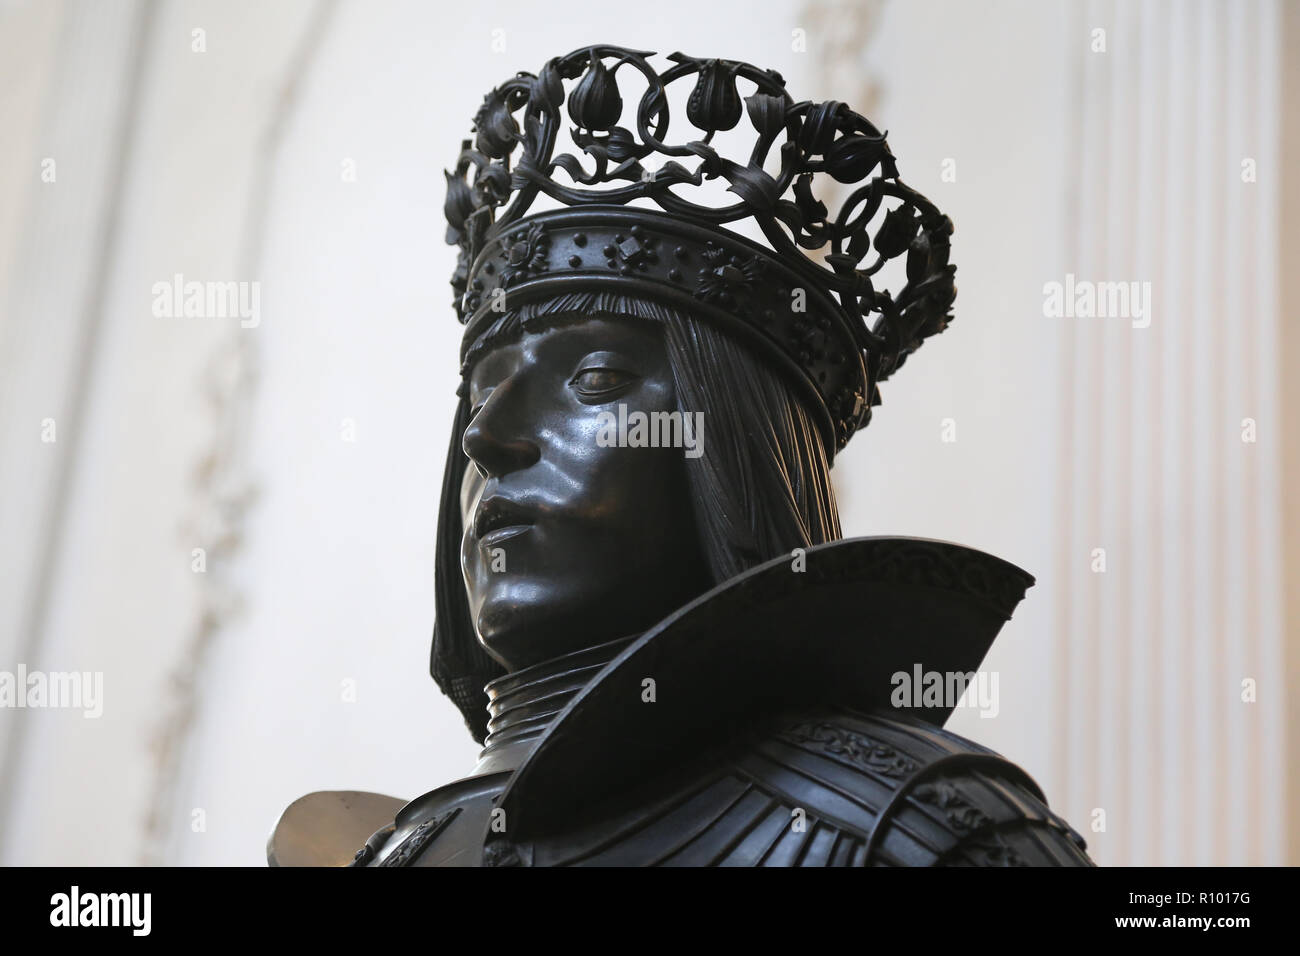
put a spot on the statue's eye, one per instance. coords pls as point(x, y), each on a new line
point(597, 381)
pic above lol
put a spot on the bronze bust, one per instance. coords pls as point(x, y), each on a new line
point(645, 609)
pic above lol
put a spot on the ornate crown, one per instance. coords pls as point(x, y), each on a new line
point(811, 317)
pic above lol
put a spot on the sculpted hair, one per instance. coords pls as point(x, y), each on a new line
point(762, 486)
point(761, 489)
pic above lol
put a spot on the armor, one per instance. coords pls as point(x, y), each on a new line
point(753, 727)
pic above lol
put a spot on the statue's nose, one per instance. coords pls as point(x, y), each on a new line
point(495, 446)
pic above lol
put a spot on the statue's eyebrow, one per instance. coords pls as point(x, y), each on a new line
point(609, 356)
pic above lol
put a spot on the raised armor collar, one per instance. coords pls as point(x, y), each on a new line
point(828, 626)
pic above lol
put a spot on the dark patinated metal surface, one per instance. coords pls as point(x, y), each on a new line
point(754, 751)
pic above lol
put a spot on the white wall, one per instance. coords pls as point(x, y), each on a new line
point(225, 691)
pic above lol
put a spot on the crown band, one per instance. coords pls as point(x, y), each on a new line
point(711, 273)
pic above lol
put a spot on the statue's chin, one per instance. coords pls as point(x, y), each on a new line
point(521, 626)
point(536, 613)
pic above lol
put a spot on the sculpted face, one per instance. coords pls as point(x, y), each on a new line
point(569, 539)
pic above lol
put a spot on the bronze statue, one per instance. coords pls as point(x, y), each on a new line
point(645, 609)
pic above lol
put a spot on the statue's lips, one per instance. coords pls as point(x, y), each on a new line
point(501, 534)
point(498, 518)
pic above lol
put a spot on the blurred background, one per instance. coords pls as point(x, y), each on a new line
point(233, 521)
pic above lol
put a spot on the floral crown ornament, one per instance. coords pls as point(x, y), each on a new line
point(824, 321)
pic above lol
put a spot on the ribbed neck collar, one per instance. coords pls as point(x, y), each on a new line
point(523, 703)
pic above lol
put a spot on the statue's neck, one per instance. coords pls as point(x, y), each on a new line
point(523, 703)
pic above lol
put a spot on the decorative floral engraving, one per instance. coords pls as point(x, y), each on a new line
point(961, 813)
point(853, 747)
point(725, 275)
point(526, 254)
point(419, 838)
